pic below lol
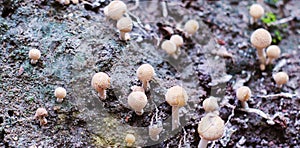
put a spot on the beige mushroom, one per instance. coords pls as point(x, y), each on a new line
point(137, 101)
point(41, 114)
point(243, 94)
point(170, 48)
point(176, 97)
point(116, 9)
point(281, 78)
point(75, 1)
point(125, 26)
point(261, 39)
point(273, 52)
point(100, 82)
point(211, 105)
point(178, 40)
point(60, 93)
point(129, 139)
point(34, 55)
point(155, 130)
point(211, 127)
point(256, 11)
point(191, 27)
point(145, 73)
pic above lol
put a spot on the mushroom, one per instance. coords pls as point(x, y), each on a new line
point(281, 78)
point(256, 11)
point(101, 82)
point(191, 27)
point(170, 48)
point(273, 52)
point(176, 97)
point(243, 94)
point(116, 9)
point(125, 26)
point(129, 139)
point(137, 88)
point(60, 93)
point(178, 40)
point(145, 73)
point(261, 39)
point(211, 127)
point(40, 114)
point(211, 105)
point(155, 130)
point(137, 101)
point(75, 1)
point(34, 55)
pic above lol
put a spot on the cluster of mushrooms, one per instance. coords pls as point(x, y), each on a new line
point(211, 127)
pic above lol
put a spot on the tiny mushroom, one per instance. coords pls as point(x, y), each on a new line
point(281, 78)
point(178, 40)
point(137, 101)
point(243, 94)
point(129, 139)
point(34, 55)
point(155, 130)
point(170, 48)
point(261, 39)
point(125, 26)
point(211, 127)
point(100, 82)
point(211, 105)
point(60, 93)
point(116, 9)
point(191, 27)
point(145, 73)
point(273, 52)
point(40, 114)
point(176, 97)
point(256, 11)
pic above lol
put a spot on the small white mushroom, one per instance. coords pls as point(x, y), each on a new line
point(273, 52)
point(281, 78)
point(129, 139)
point(41, 114)
point(125, 26)
point(243, 94)
point(137, 101)
point(34, 55)
point(191, 27)
point(145, 73)
point(256, 11)
point(60, 93)
point(100, 82)
point(116, 9)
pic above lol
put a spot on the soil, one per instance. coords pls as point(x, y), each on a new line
point(77, 40)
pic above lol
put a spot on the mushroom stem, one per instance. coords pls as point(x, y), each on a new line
point(145, 85)
point(203, 143)
point(139, 112)
point(122, 35)
point(175, 117)
point(102, 94)
point(59, 100)
point(33, 61)
point(43, 121)
point(262, 58)
point(269, 61)
point(244, 104)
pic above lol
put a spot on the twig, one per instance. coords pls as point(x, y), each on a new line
point(261, 113)
point(285, 95)
point(137, 3)
point(282, 21)
point(164, 9)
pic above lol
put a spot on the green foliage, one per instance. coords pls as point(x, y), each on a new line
point(269, 18)
point(277, 37)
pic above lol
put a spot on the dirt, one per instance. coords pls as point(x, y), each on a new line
point(76, 41)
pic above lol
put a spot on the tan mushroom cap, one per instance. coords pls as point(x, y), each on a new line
point(40, 112)
point(176, 96)
point(177, 39)
point(243, 93)
point(261, 38)
point(210, 104)
point(281, 78)
point(130, 139)
point(124, 24)
point(256, 11)
point(116, 9)
point(145, 72)
point(34, 54)
point(60, 92)
point(211, 127)
point(273, 51)
point(100, 81)
point(191, 26)
point(137, 100)
point(169, 47)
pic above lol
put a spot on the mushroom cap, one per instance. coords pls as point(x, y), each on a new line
point(116, 9)
point(60, 92)
point(177, 39)
point(40, 112)
point(176, 96)
point(281, 78)
point(100, 81)
point(124, 24)
point(130, 138)
point(243, 93)
point(169, 47)
point(137, 100)
point(34, 54)
point(210, 104)
point(145, 72)
point(273, 51)
point(256, 11)
point(211, 127)
point(261, 38)
point(105, 10)
point(191, 26)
